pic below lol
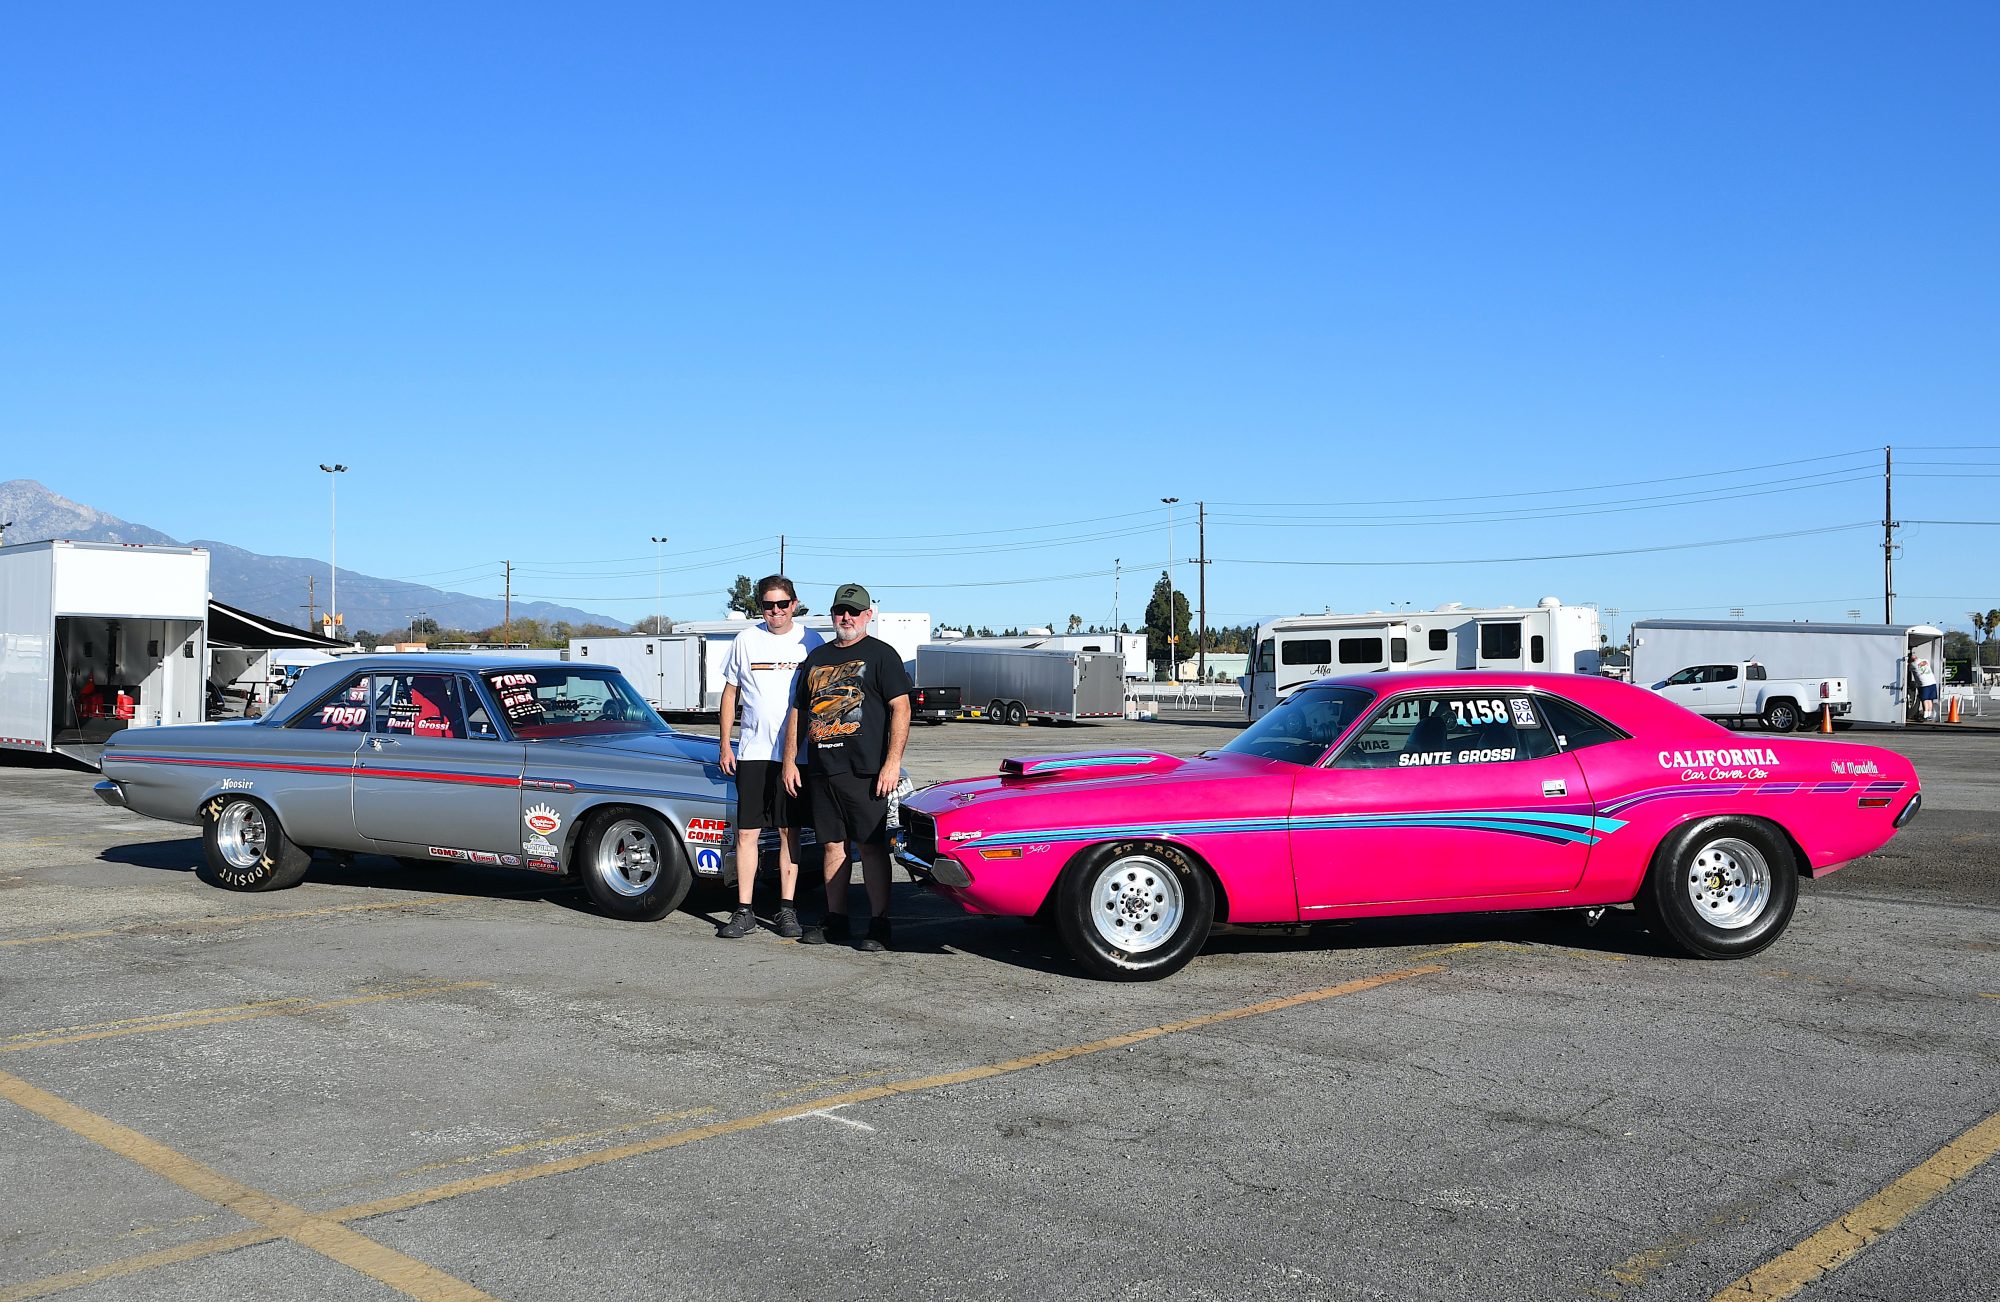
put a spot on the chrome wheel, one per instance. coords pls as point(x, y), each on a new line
point(240, 835)
point(628, 857)
point(1729, 883)
point(1136, 903)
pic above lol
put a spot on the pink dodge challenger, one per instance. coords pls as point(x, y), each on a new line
point(1414, 793)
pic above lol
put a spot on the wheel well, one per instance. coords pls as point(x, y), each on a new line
point(1088, 852)
point(584, 818)
point(1800, 864)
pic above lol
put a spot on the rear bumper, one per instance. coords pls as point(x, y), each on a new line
point(111, 794)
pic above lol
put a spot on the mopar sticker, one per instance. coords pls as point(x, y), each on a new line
point(541, 819)
point(707, 831)
point(708, 862)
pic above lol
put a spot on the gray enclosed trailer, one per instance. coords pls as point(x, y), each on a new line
point(1016, 684)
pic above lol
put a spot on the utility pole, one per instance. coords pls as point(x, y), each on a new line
point(1201, 588)
point(507, 625)
point(1115, 625)
point(1888, 536)
point(781, 556)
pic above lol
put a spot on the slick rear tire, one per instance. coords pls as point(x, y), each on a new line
point(633, 864)
point(245, 849)
point(1721, 888)
point(1782, 716)
point(1134, 910)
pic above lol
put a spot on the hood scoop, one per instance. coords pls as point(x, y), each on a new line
point(1087, 764)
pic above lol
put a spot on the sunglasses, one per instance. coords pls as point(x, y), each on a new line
point(845, 612)
point(777, 605)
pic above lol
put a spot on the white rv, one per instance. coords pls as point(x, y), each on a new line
point(1294, 651)
point(99, 637)
point(1876, 659)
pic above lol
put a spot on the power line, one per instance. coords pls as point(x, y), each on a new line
point(1566, 556)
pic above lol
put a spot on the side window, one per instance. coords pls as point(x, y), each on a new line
point(1361, 650)
point(1307, 651)
point(1500, 641)
point(1266, 662)
point(1756, 674)
point(346, 710)
point(1535, 649)
point(1685, 677)
point(1454, 731)
point(420, 705)
point(1399, 650)
point(1722, 673)
point(1440, 639)
point(1576, 727)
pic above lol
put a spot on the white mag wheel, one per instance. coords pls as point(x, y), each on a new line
point(1728, 883)
point(241, 835)
point(628, 858)
point(1136, 903)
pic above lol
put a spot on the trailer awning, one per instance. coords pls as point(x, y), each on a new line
point(228, 626)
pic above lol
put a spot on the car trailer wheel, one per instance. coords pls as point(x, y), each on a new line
point(996, 712)
point(1017, 714)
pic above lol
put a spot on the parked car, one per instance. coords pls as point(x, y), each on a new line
point(1745, 690)
point(549, 766)
point(1414, 793)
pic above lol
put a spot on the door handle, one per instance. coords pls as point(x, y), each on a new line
point(378, 743)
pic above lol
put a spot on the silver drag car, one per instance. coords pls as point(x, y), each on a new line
point(542, 765)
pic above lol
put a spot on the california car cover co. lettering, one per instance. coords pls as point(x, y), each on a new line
point(1707, 759)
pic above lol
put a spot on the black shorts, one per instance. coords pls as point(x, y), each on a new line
point(846, 808)
point(761, 801)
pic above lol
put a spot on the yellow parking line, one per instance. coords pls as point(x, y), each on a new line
point(1840, 1241)
point(243, 1013)
point(680, 1138)
point(230, 921)
point(330, 1239)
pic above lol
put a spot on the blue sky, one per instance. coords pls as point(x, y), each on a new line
point(952, 297)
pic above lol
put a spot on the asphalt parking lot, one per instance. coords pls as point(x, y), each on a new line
point(465, 1083)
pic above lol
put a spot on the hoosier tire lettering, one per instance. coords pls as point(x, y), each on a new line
point(245, 849)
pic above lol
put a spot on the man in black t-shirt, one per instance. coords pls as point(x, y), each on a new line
point(852, 715)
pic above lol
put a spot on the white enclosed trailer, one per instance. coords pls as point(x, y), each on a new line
point(1016, 684)
point(99, 637)
point(903, 630)
point(669, 669)
point(1875, 659)
point(1294, 651)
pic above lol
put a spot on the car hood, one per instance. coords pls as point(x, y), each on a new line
point(648, 746)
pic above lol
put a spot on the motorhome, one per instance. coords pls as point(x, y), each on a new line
point(1294, 651)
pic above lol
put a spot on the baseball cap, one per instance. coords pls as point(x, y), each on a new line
point(852, 594)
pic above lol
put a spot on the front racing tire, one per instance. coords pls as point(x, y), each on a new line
point(1134, 910)
point(244, 848)
point(1721, 888)
point(633, 864)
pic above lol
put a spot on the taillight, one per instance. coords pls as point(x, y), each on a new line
point(1825, 690)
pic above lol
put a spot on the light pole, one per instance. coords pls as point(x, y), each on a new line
point(658, 539)
point(1173, 624)
point(333, 542)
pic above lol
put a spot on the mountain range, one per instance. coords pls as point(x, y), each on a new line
point(272, 586)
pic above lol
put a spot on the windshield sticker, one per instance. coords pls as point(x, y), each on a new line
point(707, 831)
point(1524, 713)
point(1468, 713)
point(343, 716)
point(541, 819)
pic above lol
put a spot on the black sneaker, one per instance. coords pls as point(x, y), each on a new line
point(877, 938)
point(787, 923)
point(832, 930)
point(741, 923)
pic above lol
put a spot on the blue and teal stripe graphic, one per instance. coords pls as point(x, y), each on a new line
point(1541, 825)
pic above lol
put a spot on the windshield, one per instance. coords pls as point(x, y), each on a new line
point(551, 701)
point(1303, 725)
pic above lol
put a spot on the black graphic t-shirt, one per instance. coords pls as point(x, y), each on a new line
point(843, 696)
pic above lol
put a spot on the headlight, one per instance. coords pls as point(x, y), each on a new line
point(903, 788)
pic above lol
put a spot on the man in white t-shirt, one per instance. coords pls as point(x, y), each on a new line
point(758, 675)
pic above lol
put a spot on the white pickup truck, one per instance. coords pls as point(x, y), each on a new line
point(1744, 690)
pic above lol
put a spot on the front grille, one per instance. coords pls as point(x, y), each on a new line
point(920, 834)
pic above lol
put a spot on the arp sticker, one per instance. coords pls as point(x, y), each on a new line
point(708, 862)
point(541, 819)
point(707, 831)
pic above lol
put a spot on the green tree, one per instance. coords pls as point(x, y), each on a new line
point(1075, 623)
point(1165, 599)
point(654, 626)
point(423, 626)
point(742, 595)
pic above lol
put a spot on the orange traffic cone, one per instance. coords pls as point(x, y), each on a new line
point(1951, 711)
point(1826, 718)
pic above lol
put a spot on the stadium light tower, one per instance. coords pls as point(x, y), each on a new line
point(333, 542)
point(658, 539)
